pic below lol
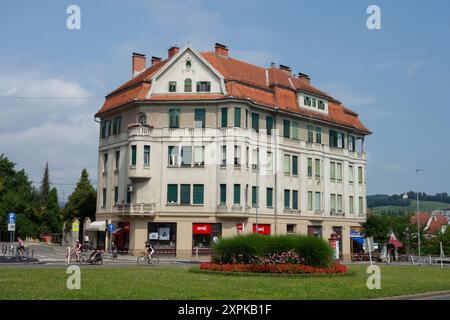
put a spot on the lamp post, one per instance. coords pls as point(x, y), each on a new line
point(418, 220)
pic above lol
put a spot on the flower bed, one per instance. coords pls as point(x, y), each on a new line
point(288, 268)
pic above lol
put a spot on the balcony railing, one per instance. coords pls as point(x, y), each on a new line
point(134, 208)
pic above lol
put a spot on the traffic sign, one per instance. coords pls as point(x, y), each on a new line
point(111, 227)
point(75, 226)
point(11, 218)
point(11, 227)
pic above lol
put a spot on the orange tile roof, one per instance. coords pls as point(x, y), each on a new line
point(270, 87)
point(436, 224)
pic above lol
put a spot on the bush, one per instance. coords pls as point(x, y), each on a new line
point(248, 249)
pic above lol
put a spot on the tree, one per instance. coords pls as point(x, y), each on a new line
point(51, 215)
point(45, 188)
point(83, 201)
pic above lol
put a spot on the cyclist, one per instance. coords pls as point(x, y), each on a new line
point(21, 245)
point(149, 250)
point(77, 249)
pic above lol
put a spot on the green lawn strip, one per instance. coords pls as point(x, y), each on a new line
point(178, 283)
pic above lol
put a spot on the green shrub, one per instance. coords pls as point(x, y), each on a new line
point(247, 248)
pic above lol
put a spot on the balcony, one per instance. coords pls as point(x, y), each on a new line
point(135, 209)
point(237, 211)
point(135, 172)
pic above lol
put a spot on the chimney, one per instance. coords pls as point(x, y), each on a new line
point(285, 68)
point(155, 60)
point(221, 49)
point(173, 50)
point(138, 63)
point(304, 77)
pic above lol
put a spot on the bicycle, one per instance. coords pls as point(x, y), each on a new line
point(95, 257)
point(74, 256)
point(146, 259)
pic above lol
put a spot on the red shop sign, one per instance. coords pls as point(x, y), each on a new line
point(262, 228)
point(240, 226)
point(201, 228)
point(126, 227)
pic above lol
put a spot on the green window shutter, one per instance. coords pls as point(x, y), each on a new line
point(269, 125)
point(116, 194)
point(333, 138)
point(254, 196)
point(295, 199)
point(294, 165)
point(172, 192)
point(237, 117)
point(199, 118)
point(269, 197)
point(317, 165)
point(224, 117)
point(223, 194)
point(133, 155)
point(146, 155)
point(309, 167)
point(286, 128)
point(310, 200)
point(198, 194)
point(103, 131)
point(174, 118)
point(287, 199)
point(237, 194)
point(295, 133)
point(185, 194)
point(246, 118)
point(255, 121)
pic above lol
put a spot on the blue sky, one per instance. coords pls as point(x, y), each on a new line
point(396, 78)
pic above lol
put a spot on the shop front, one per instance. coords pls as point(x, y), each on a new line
point(122, 236)
point(163, 237)
point(261, 229)
point(205, 234)
point(357, 244)
point(339, 244)
point(315, 231)
point(96, 232)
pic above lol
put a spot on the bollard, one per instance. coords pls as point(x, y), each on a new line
point(196, 253)
point(32, 253)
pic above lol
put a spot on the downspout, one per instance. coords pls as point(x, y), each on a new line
point(276, 171)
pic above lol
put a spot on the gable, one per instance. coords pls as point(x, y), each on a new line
point(187, 65)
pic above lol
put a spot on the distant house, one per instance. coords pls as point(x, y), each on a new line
point(432, 222)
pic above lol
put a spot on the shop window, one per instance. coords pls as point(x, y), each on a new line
point(315, 231)
point(162, 235)
point(205, 234)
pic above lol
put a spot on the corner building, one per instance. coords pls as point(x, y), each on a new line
point(200, 146)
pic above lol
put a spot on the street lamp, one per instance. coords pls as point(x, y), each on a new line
point(418, 220)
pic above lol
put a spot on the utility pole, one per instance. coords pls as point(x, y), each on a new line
point(418, 220)
point(257, 185)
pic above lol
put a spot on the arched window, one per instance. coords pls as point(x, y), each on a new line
point(188, 85)
point(188, 65)
point(142, 119)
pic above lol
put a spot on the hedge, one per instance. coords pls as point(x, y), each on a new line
point(245, 249)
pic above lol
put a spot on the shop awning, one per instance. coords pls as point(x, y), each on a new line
point(97, 226)
point(360, 240)
point(396, 243)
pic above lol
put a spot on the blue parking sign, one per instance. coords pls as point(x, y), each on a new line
point(11, 218)
point(111, 227)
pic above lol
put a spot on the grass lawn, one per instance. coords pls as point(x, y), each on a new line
point(176, 282)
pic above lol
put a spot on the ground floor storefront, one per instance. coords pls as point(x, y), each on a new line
point(188, 236)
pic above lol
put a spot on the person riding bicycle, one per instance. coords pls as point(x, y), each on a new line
point(21, 246)
point(149, 250)
point(77, 249)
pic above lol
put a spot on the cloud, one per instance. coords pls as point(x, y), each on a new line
point(348, 96)
point(412, 67)
point(408, 68)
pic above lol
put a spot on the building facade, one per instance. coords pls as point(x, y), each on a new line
point(200, 146)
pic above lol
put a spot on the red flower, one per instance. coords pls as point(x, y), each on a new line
point(287, 268)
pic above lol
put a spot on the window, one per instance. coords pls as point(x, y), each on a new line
point(290, 228)
point(103, 130)
point(315, 231)
point(174, 118)
point(172, 193)
point(199, 118)
point(199, 156)
point(269, 197)
point(287, 164)
point(237, 117)
point(117, 160)
point(336, 139)
point(187, 85)
point(339, 203)
point(246, 118)
point(203, 86)
point(247, 156)
point(117, 125)
point(146, 156)
point(186, 156)
point(295, 130)
point(133, 156)
point(310, 169)
point(287, 199)
point(173, 156)
point(185, 194)
point(237, 155)
point(351, 205)
point(318, 202)
point(321, 105)
point(333, 202)
point(269, 161)
point(317, 168)
point(224, 156)
point(295, 165)
point(142, 119)
point(255, 159)
point(237, 194)
point(360, 175)
point(295, 199)
point(172, 86)
point(255, 121)
point(223, 194)
point(310, 200)
point(129, 193)
point(255, 199)
point(116, 195)
point(340, 140)
point(350, 174)
point(105, 162)
point(224, 122)
point(307, 101)
point(310, 134)
point(269, 125)
point(351, 143)
point(318, 135)
point(104, 197)
point(108, 127)
point(339, 171)
point(332, 170)
point(286, 128)
point(361, 209)
point(314, 103)
point(198, 194)
point(188, 65)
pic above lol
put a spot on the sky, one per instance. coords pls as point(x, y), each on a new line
point(53, 79)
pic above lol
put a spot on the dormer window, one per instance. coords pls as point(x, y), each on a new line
point(188, 85)
point(203, 86)
point(307, 101)
point(312, 102)
point(172, 86)
point(321, 105)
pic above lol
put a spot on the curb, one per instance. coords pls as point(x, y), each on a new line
point(417, 295)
